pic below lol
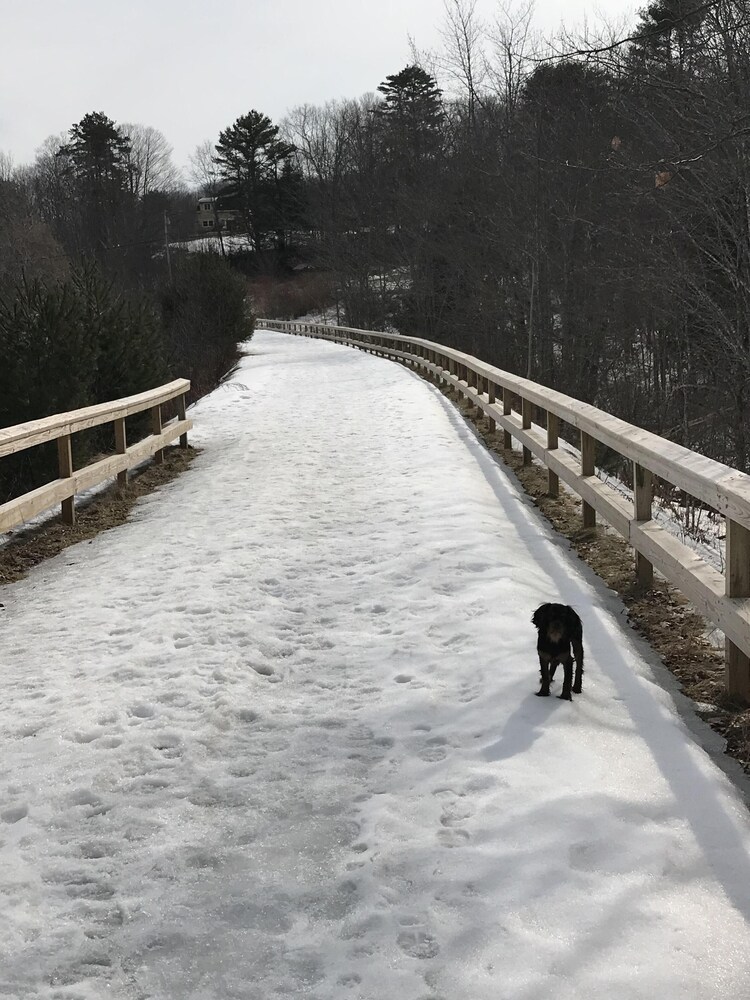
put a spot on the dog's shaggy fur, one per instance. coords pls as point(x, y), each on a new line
point(559, 629)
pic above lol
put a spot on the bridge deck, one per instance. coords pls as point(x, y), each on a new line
point(278, 736)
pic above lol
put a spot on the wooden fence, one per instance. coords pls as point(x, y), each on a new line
point(509, 401)
point(61, 428)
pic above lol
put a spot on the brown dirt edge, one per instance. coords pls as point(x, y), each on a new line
point(665, 619)
point(27, 547)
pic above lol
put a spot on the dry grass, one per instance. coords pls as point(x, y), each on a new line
point(28, 547)
point(287, 298)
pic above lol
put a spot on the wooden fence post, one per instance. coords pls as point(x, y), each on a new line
point(65, 464)
point(588, 454)
point(737, 584)
point(526, 424)
point(553, 433)
point(491, 399)
point(507, 410)
point(643, 494)
point(181, 415)
point(121, 446)
point(156, 428)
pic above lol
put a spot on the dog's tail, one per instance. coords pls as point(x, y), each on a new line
point(576, 640)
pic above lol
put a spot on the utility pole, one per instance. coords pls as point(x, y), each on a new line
point(217, 224)
point(166, 246)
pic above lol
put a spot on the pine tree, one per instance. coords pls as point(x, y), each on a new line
point(250, 157)
point(412, 116)
point(96, 159)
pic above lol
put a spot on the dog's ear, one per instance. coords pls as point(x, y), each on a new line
point(539, 615)
point(576, 625)
point(571, 614)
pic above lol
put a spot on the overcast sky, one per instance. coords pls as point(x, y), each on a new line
point(190, 69)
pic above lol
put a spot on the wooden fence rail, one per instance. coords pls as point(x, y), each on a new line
point(507, 400)
point(62, 426)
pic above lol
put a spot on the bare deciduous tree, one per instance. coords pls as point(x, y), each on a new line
point(464, 60)
point(512, 44)
point(149, 161)
point(7, 169)
point(203, 171)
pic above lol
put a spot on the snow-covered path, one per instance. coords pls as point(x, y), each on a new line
point(277, 736)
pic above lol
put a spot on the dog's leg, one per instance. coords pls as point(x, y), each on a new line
point(578, 651)
point(567, 680)
point(543, 691)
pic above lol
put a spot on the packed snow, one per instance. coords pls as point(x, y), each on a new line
point(277, 736)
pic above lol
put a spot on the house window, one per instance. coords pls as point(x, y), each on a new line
point(205, 222)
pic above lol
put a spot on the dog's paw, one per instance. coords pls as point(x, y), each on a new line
point(542, 693)
point(565, 697)
point(577, 689)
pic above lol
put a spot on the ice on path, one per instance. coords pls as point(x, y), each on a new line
point(277, 736)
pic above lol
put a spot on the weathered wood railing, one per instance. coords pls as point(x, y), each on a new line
point(62, 426)
point(507, 400)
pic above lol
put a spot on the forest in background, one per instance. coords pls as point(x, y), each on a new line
point(582, 219)
point(96, 302)
point(574, 212)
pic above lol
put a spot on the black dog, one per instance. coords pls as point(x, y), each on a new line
point(559, 628)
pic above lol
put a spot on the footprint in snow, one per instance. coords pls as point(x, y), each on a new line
point(453, 838)
point(468, 693)
point(94, 850)
point(109, 742)
point(142, 710)
point(454, 815)
point(434, 750)
point(87, 735)
point(417, 944)
point(14, 813)
point(349, 979)
point(30, 729)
